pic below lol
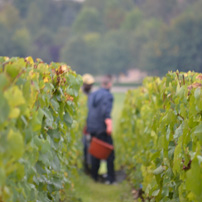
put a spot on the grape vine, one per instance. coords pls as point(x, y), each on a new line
point(160, 137)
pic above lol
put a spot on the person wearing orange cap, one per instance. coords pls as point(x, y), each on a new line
point(88, 82)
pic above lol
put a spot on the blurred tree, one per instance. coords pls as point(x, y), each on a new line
point(132, 19)
point(81, 53)
point(163, 9)
point(115, 12)
point(96, 4)
point(195, 8)
point(104, 35)
point(114, 16)
point(179, 47)
point(146, 32)
point(43, 42)
point(5, 35)
point(186, 41)
point(108, 54)
point(21, 43)
point(70, 11)
point(33, 19)
point(88, 21)
point(113, 53)
point(62, 35)
point(52, 14)
point(124, 4)
point(112, 12)
point(184, 4)
point(14, 44)
point(9, 16)
point(139, 2)
point(22, 6)
point(58, 13)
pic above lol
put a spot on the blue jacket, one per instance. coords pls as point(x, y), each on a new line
point(99, 108)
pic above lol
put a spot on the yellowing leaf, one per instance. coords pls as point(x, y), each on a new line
point(14, 113)
point(45, 80)
point(6, 58)
point(30, 60)
point(14, 96)
point(64, 67)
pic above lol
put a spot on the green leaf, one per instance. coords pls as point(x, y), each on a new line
point(198, 132)
point(178, 132)
point(197, 93)
point(20, 171)
point(4, 108)
point(45, 146)
point(194, 179)
point(156, 192)
point(56, 163)
point(37, 141)
point(159, 170)
point(183, 110)
point(57, 183)
point(15, 144)
point(26, 90)
point(37, 120)
point(67, 119)
point(3, 81)
point(13, 69)
point(199, 159)
point(55, 105)
point(49, 116)
point(2, 177)
point(198, 129)
point(177, 157)
point(46, 159)
point(180, 91)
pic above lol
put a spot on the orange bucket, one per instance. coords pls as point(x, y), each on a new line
point(100, 149)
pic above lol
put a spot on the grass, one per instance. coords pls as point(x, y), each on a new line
point(116, 84)
point(117, 107)
point(89, 191)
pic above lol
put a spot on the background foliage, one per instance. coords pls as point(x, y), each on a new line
point(105, 36)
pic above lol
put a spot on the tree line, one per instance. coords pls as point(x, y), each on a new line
point(108, 36)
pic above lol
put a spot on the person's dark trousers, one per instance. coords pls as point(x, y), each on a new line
point(85, 157)
point(110, 161)
point(95, 168)
point(110, 167)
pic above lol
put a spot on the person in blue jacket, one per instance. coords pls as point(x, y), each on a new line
point(99, 124)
